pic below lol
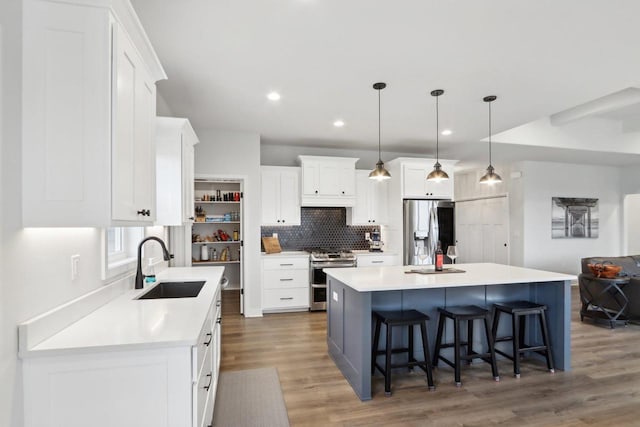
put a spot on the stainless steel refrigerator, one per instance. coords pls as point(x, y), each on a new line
point(425, 223)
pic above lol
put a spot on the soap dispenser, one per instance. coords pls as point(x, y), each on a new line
point(150, 277)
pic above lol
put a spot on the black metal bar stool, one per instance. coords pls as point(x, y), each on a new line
point(409, 318)
point(519, 310)
point(458, 314)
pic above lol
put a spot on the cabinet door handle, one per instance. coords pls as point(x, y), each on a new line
point(286, 298)
point(285, 265)
point(286, 280)
point(343, 192)
point(191, 218)
point(283, 221)
point(218, 303)
point(208, 386)
point(316, 191)
point(144, 212)
point(377, 262)
point(278, 220)
point(210, 335)
point(373, 220)
point(219, 320)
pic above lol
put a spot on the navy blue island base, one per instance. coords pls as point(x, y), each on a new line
point(353, 293)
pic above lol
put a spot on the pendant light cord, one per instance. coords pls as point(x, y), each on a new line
point(490, 162)
point(379, 133)
point(437, 129)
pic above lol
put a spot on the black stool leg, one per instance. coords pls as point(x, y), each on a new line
point(496, 322)
point(523, 318)
point(492, 350)
point(374, 348)
point(436, 353)
point(456, 355)
point(410, 355)
point(427, 357)
point(545, 340)
point(516, 344)
point(469, 339)
point(387, 367)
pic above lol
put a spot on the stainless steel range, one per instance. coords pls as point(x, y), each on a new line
point(320, 259)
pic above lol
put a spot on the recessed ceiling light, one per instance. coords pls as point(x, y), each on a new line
point(273, 96)
point(338, 123)
point(446, 132)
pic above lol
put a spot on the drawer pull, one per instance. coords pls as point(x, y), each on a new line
point(219, 320)
point(208, 386)
point(286, 298)
point(218, 303)
point(286, 280)
point(210, 335)
point(286, 265)
point(377, 262)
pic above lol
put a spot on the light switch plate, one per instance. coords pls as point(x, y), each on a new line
point(75, 263)
point(335, 296)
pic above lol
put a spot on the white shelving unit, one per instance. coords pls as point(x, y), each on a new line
point(206, 193)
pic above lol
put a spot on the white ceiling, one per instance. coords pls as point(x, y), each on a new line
point(538, 56)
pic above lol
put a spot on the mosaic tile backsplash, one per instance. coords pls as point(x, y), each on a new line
point(321, 228)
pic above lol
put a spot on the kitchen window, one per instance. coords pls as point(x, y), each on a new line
point(119, 247)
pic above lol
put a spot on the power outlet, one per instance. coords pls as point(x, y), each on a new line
point(274, 235)
point(367, 236)
point(75, 265)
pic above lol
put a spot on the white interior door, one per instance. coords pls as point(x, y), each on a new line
point(482, 230)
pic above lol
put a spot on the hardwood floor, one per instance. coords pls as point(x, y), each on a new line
point(602, 389)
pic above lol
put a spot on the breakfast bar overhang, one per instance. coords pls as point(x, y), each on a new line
point(353, 293)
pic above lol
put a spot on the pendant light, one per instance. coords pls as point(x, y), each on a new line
point(437, 174)
point(490, 177)
point(379, 173)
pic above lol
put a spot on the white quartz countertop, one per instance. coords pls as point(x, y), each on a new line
point(394, 278)
point(286, 253)
point(127, 323)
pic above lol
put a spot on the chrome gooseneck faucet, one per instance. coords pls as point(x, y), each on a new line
point(165, 252)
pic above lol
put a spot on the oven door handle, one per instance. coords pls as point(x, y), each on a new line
point(314, 285)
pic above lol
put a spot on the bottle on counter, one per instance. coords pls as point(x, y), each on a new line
point(215, 255)
point(439, 257)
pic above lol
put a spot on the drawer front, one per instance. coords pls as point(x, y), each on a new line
point(284, 263)
point(204, 388)
point(207, 419)
point(286, 298)
point(278, 279)
point(376, 260)
point(205, 340)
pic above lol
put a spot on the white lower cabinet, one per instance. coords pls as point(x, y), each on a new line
point(285, 283)
point(154, 387)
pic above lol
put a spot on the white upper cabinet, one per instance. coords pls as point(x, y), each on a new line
point(416, 186)
point(328, 181)
point(280, 195)
point(88, 115)
point(371, 201)
point(175, 141)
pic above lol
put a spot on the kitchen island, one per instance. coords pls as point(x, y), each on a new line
point(352, 294)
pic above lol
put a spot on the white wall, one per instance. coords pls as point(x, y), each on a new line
point(542, 181)
point(631, 229)
point(237, 154)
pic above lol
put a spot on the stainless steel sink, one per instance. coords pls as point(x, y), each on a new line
point(174, 290)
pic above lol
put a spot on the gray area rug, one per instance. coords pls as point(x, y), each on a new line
point(250, 398)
